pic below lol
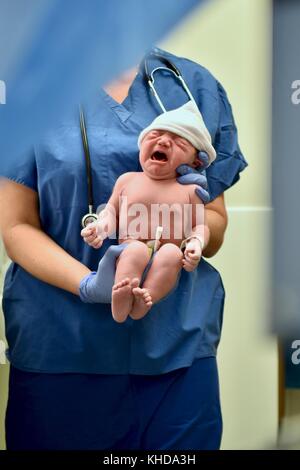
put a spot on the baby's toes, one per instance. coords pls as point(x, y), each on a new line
point(121, 283)
point(147, 298)
point(136, 291)
point(135, 282)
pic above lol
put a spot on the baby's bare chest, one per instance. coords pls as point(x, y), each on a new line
point(147, 193)
point(145, 206)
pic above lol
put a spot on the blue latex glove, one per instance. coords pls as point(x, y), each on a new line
point(96, 287)
point(190, 175)
point(89, 289)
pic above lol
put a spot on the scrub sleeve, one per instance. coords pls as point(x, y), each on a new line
point(225, 172)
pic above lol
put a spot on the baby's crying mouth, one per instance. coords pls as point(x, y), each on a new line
point(159, 156)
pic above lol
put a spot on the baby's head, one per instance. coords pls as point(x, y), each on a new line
point(172, 139)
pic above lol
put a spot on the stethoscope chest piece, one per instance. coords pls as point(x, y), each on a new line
point(88, 219)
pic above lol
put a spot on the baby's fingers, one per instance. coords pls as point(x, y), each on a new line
point(90, 240)
point(187, 266)
point(85, 231)
point(97, 243)
point(88, 232)
point(90, 228)
point(192, 257)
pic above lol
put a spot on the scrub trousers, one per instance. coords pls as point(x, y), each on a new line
point(179, 410)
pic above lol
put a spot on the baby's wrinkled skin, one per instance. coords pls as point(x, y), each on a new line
point(161, 153)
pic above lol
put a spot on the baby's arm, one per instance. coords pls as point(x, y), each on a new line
point(196, 240)
point(95, 233)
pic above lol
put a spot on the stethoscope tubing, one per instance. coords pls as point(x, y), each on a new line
point(87, 155)
point(170, 67)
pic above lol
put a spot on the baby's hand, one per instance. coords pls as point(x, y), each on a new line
point(90, 235)
point(192, 255)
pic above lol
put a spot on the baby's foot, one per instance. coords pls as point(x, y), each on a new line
point(142, 302)
point(122, 299)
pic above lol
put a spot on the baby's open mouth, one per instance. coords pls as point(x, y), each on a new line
point(159, 157)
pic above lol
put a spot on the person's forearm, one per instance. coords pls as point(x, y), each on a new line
point(38, 254)
point(215, 226)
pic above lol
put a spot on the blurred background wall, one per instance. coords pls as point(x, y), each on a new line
point(232, 38)
point(286, 256)
point(4, 368)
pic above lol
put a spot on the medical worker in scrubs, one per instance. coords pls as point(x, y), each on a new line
point(78, 379)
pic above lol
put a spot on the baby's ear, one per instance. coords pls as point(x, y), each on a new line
point(196, 163)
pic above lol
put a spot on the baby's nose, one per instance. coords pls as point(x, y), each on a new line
point(164, 140)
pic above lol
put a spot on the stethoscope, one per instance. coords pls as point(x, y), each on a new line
point(90, 216)
point(149, 77)
point(170, 67)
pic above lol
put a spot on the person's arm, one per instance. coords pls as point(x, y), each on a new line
point(108, 219)
point(30, 247)
point(216, 221)
point(206, 238)
point(212, 231)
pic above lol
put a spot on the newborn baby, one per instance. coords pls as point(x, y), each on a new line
point(172, 139)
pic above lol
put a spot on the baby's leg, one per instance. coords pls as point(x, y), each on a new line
point(161, 278)
point(130, 266)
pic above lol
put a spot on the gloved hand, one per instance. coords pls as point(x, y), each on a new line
point(89, 289)
point(96, 287)
point(190, 175)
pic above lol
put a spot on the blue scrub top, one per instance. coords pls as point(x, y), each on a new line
point(51, 330)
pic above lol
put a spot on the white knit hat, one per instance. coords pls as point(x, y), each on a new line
point(187, 122)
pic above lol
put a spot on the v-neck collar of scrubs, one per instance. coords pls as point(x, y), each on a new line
point(118, 108)
point(126, 108)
